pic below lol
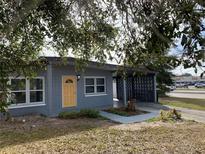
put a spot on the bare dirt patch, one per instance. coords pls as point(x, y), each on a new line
point(92, 136)
point(35, 122)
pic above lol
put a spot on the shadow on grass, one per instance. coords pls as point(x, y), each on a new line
point(25, 133)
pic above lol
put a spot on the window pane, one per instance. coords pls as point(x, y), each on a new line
point(100, 89)
point(36, 84)
point(18, 84)
point(36, 96)
point(89, 89)
point(18, 97)
point(89, 81)
point(100, 81)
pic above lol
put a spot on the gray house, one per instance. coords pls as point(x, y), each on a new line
point(60, 88)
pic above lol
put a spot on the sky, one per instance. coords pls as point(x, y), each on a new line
point(177, 51)
point(180, 70)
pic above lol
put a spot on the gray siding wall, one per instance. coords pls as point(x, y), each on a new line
point(35, 109)
point(92, 102)
point(53, 92)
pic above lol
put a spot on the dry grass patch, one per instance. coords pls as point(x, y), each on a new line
point(93, 136)
point(196, 104)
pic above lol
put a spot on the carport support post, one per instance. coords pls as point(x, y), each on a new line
point(155, 89)
point(124, 92)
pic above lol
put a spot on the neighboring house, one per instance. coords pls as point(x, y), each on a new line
point(59, 88)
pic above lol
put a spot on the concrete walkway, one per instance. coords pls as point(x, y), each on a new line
point(154, 110)
point(189, 114)
point(132, 119)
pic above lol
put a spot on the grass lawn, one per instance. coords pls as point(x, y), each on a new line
point(191, 89)
point(91, 136)
point(196, 104)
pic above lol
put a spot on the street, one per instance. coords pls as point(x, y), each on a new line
point(187, 94)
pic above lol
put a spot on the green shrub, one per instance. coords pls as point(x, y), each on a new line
point(170, 115)
point(69, 115)
point(88, 113)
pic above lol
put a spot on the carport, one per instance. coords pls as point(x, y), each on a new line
point(140, 87)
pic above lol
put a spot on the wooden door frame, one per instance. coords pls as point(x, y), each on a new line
point(63, 90)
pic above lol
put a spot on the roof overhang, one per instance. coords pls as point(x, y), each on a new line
point(97, 65)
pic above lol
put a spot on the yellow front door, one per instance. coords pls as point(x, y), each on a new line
point(69, 91)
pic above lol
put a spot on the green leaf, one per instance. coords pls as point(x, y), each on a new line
point(184, 40)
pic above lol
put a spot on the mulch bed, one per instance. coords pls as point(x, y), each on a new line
point(124, 112)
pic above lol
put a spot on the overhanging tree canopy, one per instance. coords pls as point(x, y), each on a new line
point(133, 31)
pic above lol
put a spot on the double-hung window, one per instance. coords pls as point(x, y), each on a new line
point(36, 90)
point(95, 85)
point(18, 91)
point(27, 91)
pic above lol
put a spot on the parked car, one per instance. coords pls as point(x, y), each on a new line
point(171, 88)
point(200, 85)
point(181, 85)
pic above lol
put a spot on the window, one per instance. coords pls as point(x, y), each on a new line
point(100, 85)
point(18, 91)
point(36, 90)
point(90, 85)
point(69, 81)
point(95, 85)
point(27, 91)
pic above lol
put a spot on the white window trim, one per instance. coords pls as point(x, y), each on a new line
point(95, 86)
point(27, 91)
point(15, 106)
point(91, 95)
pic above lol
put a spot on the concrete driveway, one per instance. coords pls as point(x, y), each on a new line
point(188, 114)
